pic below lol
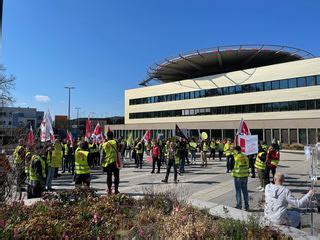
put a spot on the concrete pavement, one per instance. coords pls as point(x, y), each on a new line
point(211, 184)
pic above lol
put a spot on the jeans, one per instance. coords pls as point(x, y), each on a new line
point(171, 163)
point(182, 163)
point(267, 171)
point(51, 171)
point(220, 154)
point(229, 159)
point(154, 161)
point(212, 154)
point(241, 185)
point(193, 156)
point(112, 169)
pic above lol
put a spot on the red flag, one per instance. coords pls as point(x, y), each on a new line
point(88, 129)
point(146, 136)
point(30, 137)
point(242, 130)
point(97, 130)
point(70, 138)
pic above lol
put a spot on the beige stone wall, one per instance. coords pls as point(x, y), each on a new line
point(262, 74)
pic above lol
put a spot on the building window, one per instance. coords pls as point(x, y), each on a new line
point(232, 90)
point(247, 88)
point(293, 136)
point(259, 87)
point(267, 86)
point(283, 84)
point(276, 134)
point(248, 108)
point(225, 91)
point(312, 136)
point(303, 136)
point(284, 136)
point(301, 82)
point(311, 81)
point(311, 104)
point(318, 80)
point(267, 136)
point(292, 83)
point(275, 85)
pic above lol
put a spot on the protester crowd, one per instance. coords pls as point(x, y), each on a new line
point(39, 164)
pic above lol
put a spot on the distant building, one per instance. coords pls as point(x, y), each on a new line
point(78, 125)
point(61, 122)
point(14, 119)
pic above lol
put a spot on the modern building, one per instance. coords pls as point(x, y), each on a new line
point(78, 125)
point(14, 121)
point(276, 89)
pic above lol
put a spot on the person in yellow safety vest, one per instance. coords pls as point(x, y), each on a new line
point(212, 149)
point(260, 166)
point(37, 173)
point(18, 160)
point(139, 150)
point(66, 156)
point(220, 148)
point(273, 158)
point(166, 152)
point(94, 151)
point(109, 164)
point(204, 150)
point(54, 160)
point(193, 150)
point(83, 163)
point(240, 172)
point(29, 154)
point(173, 161)
point(228, 149)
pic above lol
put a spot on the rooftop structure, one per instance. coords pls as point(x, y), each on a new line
point(212, 61)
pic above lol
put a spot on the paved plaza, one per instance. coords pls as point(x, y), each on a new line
point(210, 184)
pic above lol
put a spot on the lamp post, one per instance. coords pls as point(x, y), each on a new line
point(69, 88)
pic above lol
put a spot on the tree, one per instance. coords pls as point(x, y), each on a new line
point(6, 85)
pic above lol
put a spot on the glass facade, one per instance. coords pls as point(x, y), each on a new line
point(306, 136)
point(249, 108)
point(293, 136)
point(247, 88)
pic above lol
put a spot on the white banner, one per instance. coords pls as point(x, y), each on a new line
point(248, 144)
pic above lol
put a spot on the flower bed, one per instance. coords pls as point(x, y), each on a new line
point(80, 214)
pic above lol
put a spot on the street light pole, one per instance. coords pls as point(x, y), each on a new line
point(77, 115)
point(69, 88)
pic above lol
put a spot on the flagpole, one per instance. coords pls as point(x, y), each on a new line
point(69, 89)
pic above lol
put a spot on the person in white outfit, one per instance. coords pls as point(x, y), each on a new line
point(278, 197)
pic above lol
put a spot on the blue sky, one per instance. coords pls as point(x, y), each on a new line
point(103, 47)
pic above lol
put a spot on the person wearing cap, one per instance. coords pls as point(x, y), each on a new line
point(277, 199)
point(240, 171)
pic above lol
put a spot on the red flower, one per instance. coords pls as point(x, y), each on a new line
point(141, 233)
point(65, 236)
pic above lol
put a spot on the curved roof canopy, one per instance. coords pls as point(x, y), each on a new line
point(223, 59)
